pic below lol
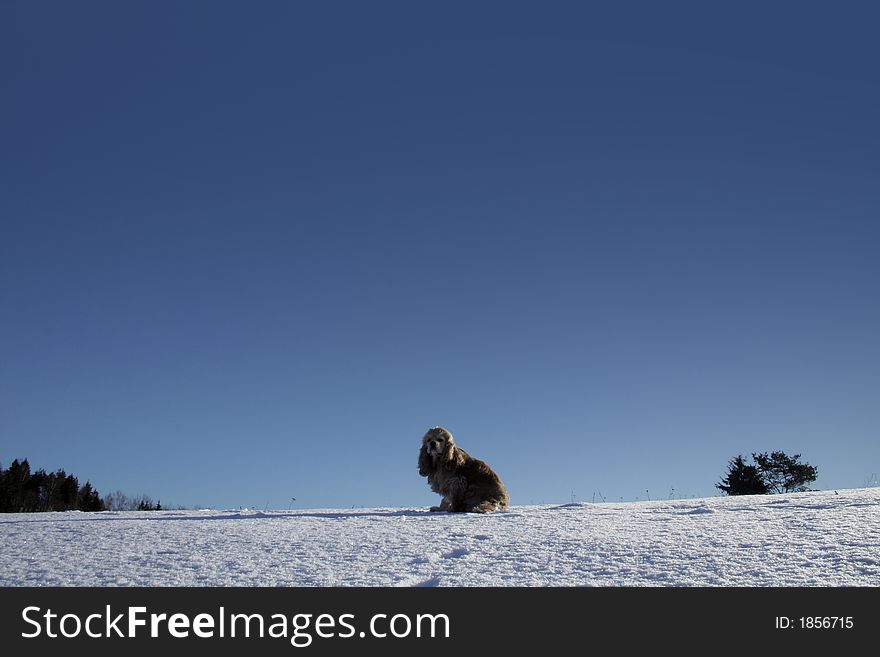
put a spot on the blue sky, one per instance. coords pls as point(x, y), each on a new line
point(250, 251)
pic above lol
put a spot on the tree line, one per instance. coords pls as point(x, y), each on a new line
point(26, 491)
point(23, 491)
point(119, 501)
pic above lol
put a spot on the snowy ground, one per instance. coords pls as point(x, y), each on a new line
point(822, 538)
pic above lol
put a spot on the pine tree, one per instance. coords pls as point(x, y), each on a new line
point(17, 477)
point(783, 473)
point(69, 493)
point(35, 498)
point(3, 489)
point(88, 499)
point(742, 479)
point(56, 490)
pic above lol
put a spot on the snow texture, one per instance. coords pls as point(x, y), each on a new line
point(824, 538)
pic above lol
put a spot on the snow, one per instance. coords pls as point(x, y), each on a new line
point(824, 538)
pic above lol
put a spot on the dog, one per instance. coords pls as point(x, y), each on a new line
point(464, 483)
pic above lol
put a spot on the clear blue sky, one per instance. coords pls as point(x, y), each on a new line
point(251, 251)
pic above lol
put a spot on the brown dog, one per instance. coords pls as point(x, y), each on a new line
point(464, 483)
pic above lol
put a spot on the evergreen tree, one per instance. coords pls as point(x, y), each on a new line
point(69, 493)
point(35, 492)
point(742, 479)
point(56, 490)
point(88, 499)
point(783, 473)
point(3, 493)
point(16, 479)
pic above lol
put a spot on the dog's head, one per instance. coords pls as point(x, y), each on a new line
point(438, 448)
point(437, 441)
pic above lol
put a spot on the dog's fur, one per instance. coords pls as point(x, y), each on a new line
point(464, 483)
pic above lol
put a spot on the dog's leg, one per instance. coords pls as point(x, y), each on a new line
point(456, 495)
point(445, 505)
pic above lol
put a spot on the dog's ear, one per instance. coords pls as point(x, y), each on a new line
point(452, 457)
point(424, 461)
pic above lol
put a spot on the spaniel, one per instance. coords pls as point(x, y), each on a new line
point(464, 483)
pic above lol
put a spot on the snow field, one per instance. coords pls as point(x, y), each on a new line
point(823, 538)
